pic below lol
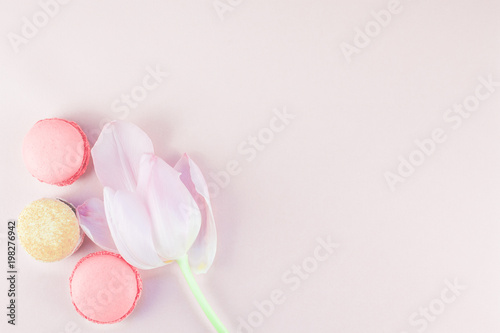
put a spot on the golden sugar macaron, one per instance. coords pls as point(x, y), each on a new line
point(48, 229)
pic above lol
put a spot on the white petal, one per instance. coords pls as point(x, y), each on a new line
point(202, 253)
point(175, 215)
point(93, 222)
point(130, 226)
point(117, 154)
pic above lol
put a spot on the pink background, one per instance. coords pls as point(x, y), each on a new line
point(321, 176)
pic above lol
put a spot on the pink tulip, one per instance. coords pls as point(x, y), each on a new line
point(152, 214)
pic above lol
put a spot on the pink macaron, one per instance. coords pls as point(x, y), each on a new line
point(56, 151)
point(104, 287)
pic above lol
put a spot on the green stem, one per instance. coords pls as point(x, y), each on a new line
point(188, 275)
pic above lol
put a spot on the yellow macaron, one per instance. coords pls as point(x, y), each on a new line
point(49, 230)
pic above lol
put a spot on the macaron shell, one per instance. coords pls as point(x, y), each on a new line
point(56, 151)
point(104, 287)
point(49, 230)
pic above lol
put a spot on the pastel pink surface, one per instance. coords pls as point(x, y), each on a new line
point(104, 287)
point(56, 151)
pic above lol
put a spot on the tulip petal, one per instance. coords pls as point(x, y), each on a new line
point(117, 154)
point(130, 226)
point(175, 216)
point(202, 253)
point(93, 222)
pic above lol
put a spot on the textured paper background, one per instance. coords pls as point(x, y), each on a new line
point(321, 176)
